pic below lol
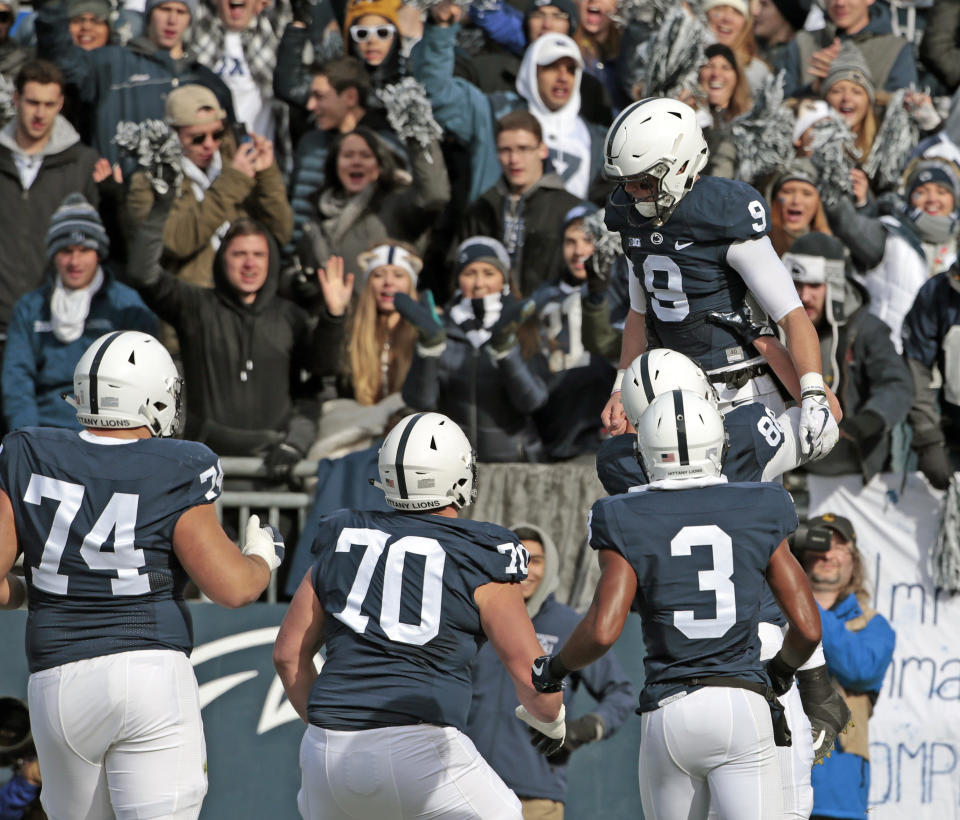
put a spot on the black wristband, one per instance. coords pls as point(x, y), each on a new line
point(557, 670)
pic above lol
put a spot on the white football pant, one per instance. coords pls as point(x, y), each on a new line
point(420, 771)
point(715, 744)
point(761, 389)
point(119, 735)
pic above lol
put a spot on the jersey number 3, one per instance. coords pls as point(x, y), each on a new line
point(718, 580)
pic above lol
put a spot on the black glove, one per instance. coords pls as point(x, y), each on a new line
point(826, 708)
point(302, 11)
point(598, 281)
point(586, 729)
point(503, 335)
point(741, 324)
point(546, 745)
point(423, 316)
point(547, 674)
point(864, 428)
point(934, 463)
point(279, 460)
point(781, 674)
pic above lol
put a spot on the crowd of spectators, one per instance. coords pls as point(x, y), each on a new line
point(367, 200)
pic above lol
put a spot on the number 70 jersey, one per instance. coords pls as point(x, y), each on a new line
point(402, 625)
point(682, 265)
point(95, 519)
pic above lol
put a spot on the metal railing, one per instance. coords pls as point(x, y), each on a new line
point(270, 502)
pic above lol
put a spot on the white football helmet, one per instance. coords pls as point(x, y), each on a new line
point(127, 379)
point(659, 371)
point(426, 462)
point(656, 138)
point(681, 436)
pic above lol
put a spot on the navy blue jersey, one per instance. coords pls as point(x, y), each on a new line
point(95, 522)
point(700, 556)
point(755, 437)
point(402, 625)
point(682, 265)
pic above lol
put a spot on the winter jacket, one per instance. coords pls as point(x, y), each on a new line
point(241, 362)
point(25, 214)
point(38, 367)
point(501, 739)
point(579, 381)
point(348, 226)
point(940, 48)
point(889, 260)
point(128, 82)
point(931, 337)
point(889, 58)
point(529, 227)
point(193, 226)
point(310, 160)
point(490, 399)
point(13, 55)
point(858, 645)
point(861, 365)
point(16, 795)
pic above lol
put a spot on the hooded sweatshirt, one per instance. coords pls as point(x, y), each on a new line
point(241, 361)
point(65, 166)
point(564, 131)
point(503, 740)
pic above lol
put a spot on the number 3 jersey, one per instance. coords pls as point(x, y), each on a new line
point(402, 625)
point(700, 555)
point(682, 265)
point(95, 519)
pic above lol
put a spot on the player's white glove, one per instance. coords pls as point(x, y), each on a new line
point(264, 542)
point(547, 737)
point(818, 428)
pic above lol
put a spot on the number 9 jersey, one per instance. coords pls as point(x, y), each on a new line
point(100, 568)
point(682, 268)
point(402, 625)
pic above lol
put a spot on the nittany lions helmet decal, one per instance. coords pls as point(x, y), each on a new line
point(659, 371)
point(127, 379)
point(681, 435)
point(656, 138)
point(426, 462)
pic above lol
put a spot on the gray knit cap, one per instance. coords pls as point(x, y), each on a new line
point(76, 222)
point(850, 64)
point(150, 5)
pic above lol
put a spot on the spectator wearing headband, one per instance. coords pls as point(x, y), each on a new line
point(860, 363)
point(477, 364)
point(53, 325)
point(380, 342)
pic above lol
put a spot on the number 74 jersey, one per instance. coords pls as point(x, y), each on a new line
point(402, 625)
point(700, 555)
point(95, 519)
point(682, 265)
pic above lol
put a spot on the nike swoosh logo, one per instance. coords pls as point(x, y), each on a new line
point(681, 245)
point(819, 740)
point(538, 669)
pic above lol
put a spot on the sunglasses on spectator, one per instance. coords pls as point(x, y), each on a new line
point(200, 139)
point(6, 17)
point(363, 33)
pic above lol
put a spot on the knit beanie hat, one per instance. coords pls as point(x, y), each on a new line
point(358, 8)
point(849, 64)
point(938, 172)
point(98, 8)
point(577, 213)
point(795, 12)
point(720, 50)
point(799, 168)
point(76, 222)
point(739, 5)
point(813, 257)
point(150, 5)
point(483, 249)
point(566, 6)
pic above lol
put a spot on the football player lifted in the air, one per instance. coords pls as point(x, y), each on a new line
point(695, 247)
